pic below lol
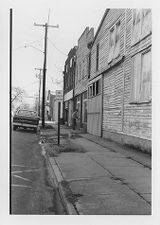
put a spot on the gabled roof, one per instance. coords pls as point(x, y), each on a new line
point(99, 27)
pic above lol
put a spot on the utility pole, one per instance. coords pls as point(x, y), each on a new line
point(46, 26)
point(39, 76)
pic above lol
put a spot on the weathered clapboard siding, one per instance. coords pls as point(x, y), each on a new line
point(113, 99)
point(137, 117)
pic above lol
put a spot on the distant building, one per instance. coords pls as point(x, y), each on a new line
point(52, 105)
point(68, 86)
point(81, 77)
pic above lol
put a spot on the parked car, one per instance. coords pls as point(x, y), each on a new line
point(26, 119)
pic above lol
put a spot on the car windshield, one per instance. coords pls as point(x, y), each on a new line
point(27, 113)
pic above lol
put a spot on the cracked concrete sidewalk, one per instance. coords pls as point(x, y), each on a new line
point(103, 177)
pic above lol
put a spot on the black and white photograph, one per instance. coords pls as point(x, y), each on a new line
point(79, 111)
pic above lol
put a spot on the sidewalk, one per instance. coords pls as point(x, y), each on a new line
point(98, 177)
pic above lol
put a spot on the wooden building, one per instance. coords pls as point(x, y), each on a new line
point(81, 77)
point(119, 87)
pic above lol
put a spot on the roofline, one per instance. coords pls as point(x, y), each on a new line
point(103, 18)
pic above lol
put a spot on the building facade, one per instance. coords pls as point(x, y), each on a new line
point(119, 85)
point(81, 76)
point(52, 105)
point(68, 86)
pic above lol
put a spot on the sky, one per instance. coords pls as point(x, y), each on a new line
point(28, 40)
point(72, 16)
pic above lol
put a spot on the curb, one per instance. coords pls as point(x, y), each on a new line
point(56, 179)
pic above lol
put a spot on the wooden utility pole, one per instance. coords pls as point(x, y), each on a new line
point(44, 68)
point(39, 76)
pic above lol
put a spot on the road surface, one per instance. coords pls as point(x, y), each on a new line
point(31, 192)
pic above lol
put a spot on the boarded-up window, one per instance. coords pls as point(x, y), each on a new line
point(97, 57)
point(136, 30)
point(145, 87)
point(117, 40)
point(114, 44)
point(136, 77)
point(141, 24)
point(141, 80)
point(146, 22)
point(111, 44)
point(89, 65)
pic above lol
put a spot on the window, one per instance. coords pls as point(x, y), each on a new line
point(90, 91)
point(94, 89)
point(89, 65)
point(146, 22)
point(117, 41)
point(114, 43)
point(79, 74)
point(71, 62)
point(76, 74)
point(141, 24)
point(98, 88)
point(145, 88)
point(97, 57)
point(141, 82)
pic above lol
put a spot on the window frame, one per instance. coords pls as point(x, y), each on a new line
point(113, 28)
point(92, 87)
point(134, 99)
point(97, 57)
point(142, 36)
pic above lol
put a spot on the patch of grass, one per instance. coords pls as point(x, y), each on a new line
point(70, 147)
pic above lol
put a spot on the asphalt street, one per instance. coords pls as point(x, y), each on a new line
point(31, 193)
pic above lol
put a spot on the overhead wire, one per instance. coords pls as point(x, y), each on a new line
point(23, 46)
point(56, 47)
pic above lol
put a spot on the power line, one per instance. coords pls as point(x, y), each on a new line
point(23, 46)
point(57, 48)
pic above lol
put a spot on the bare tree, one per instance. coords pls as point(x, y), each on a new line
point(17, 94)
